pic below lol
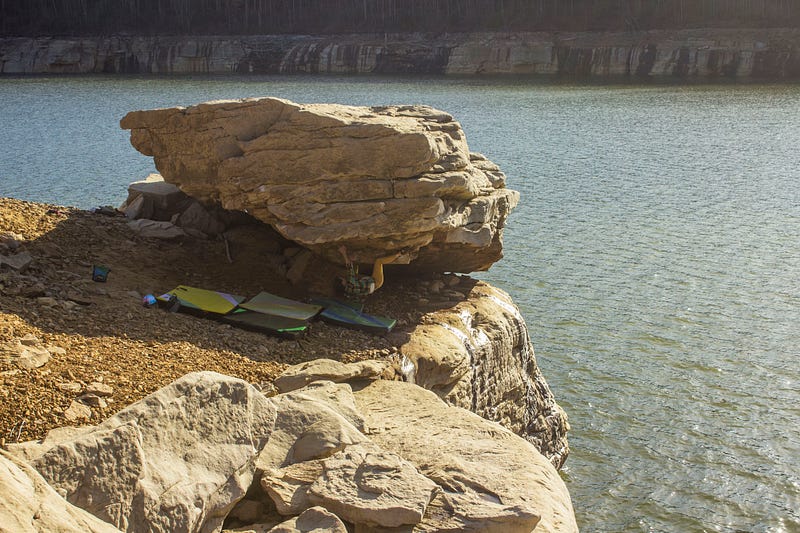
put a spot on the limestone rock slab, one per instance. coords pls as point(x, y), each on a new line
point(177, 461)
point(312, 423)
point(367, 485)
point(300, 375)
point(379, 180)
point(490, 479)
point(29, 505)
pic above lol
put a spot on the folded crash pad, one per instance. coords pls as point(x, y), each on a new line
point(351, 316)
point(202, 300)
point(270, 304)
point(275, 325)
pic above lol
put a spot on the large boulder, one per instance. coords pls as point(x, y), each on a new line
point(176, 461)
point(30, 505)
point(378, 180)
point(388, 454)
point(487, 478)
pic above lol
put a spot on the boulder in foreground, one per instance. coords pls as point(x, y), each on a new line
point(30, 505)
point(380, 181)
point(176, 461)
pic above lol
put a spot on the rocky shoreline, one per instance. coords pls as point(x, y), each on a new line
point(465, 338)
point(153, 420)
point(694, 54)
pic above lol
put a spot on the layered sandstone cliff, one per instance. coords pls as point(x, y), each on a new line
point(767, 53)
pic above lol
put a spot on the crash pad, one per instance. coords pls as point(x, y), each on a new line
point(270, 304)
point(351, 316)
point(202, 300)
point(275, 325)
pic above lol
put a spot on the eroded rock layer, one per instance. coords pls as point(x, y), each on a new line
point(380, 181)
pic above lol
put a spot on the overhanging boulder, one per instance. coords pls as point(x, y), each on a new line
point(378, 180)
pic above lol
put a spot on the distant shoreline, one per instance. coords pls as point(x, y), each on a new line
point(702, 55)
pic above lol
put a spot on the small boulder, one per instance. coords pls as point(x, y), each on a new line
point(19, 262)
point(312, 520)
point(27, 352)
point(196, 217)
point(298, 376)
point(153, 190)
point(156, 229)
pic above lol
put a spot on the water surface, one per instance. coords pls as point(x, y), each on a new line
point(655, 255)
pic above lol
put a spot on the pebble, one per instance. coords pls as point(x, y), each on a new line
point(70, 387)
point(100, 389)
point(77, 412)
point(93, 400)
point(47, 301)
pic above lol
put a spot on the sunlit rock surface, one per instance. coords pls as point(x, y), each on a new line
point(379, 181)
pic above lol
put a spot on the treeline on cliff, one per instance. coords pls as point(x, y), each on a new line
point(239, 17)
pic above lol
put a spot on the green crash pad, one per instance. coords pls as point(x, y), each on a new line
point(275, 325)
point(350, 315)
point(270, 304)
point(202, 300)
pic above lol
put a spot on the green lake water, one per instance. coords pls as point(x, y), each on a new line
point(655, 255)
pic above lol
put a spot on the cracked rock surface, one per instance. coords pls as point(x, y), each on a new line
point(378, 180)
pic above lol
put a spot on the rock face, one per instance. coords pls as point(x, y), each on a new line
point(178, 460)
point(417, 462)
point(478, 356)
point(380, 180)
point(488, 479)
point(708, 53)
point(30, 505)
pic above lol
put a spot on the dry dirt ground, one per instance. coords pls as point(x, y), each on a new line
point(108, 336)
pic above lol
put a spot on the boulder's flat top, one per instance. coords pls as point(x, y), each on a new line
point(108, 337)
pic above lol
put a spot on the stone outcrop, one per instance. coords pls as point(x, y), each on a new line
point(478, 355)
point(488, 478)
point(772, 53)
point(396, 454)
point(29, 505)
point(178, 460)
point(209, 452)
point(384, 453)
point(380, 181)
